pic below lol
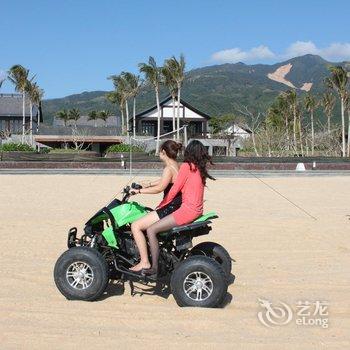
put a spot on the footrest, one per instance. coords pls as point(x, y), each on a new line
point(136, 275)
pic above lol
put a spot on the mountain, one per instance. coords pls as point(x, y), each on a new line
point(217, 89)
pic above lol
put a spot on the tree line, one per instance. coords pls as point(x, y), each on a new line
point(74, 115)
point(289, 126)
point(296, 115)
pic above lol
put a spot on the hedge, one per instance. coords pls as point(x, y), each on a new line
point(122, 147)
point(16, 147)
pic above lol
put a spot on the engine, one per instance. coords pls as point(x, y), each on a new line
point(127, 244)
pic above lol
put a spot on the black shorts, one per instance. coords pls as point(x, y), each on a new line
point(169, 208)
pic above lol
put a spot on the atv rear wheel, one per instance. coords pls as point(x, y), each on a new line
point(216, 252)
point(81, 273)
point(199, 281)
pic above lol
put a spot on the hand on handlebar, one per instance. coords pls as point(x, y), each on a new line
point(135, 189)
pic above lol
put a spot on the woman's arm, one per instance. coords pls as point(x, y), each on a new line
point(178, 184)
point(163, 182)
point(147, 184)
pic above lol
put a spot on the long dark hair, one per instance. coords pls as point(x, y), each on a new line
point(171, 148)
point(197, 154)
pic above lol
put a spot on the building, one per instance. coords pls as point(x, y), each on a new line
point(146, 121)
point(11, 114)
point(238, 131)
point(96, 139)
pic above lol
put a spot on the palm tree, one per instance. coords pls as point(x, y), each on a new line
point(92, 115)
point(328, 102)
point(118, 97)
point(292, 100)
point(310, 105)
point(104, 115)
point(63, 115)
point(280, 114)
point(171, 84)
point(121, 86)
point(29, 89)
point(35, 95)
point(154, 77)
point(178, 69)
point(74, 114)
point(18, 75)
point(133, 85)
point(338, 81)
point(38, 94)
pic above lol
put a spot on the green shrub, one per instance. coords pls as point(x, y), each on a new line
point(122, 147)
point(16, 147)
point(44, 150)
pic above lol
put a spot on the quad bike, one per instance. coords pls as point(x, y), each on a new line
point(198, 275)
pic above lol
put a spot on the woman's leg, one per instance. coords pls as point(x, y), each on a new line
point(162, 225)
point(136, 228)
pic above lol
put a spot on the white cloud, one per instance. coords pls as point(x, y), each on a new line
point(335, 52)
point(300, 48)
point(237, 55)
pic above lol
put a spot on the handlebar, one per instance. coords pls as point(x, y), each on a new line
point(128, 190)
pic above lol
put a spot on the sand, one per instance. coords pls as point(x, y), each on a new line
point(281, 255)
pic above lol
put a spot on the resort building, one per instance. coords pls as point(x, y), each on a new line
point(11, 114)
point(197, 121)
point(97, 135)
point(197, 127)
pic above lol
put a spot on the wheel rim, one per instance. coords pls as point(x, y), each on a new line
point(198, 286)
point(79, 275)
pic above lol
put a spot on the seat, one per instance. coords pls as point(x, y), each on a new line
point(189, 227)
point(207, 216)
point(196, 228)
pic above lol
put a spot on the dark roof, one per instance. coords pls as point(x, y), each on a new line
point(184, 103)
point(11, 106)
point(112, 121)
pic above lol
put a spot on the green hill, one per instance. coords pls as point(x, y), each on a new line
point(215, 89)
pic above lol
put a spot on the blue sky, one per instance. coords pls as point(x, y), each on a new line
point(72, 46)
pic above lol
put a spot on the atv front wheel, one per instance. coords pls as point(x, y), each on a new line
point(199, 281)
point(216, 252)
point(81, 273)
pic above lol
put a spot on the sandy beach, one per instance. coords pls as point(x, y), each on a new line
point(281, 254)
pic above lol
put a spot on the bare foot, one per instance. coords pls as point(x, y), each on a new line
point(140, 266)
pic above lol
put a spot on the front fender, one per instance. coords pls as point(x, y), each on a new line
point(109, 236)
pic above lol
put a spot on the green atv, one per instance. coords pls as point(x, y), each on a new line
point(198, 276)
